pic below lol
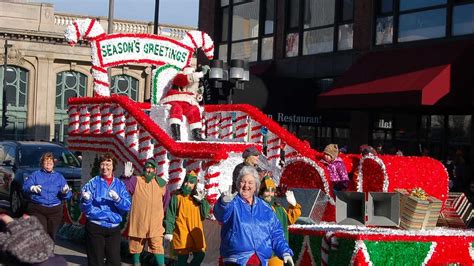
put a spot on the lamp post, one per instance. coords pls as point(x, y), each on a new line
point(229, 78)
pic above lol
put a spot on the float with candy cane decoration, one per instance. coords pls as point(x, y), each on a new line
point(123, 127)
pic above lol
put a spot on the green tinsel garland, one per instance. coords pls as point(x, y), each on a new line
point(315, 244)
point(397, 253)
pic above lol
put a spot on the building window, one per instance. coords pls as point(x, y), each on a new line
point(16, 80)
point(68, 84)
point(463, 19)
point(125, 85)
point(319, 26)
point(412, 20)
point(247, 30)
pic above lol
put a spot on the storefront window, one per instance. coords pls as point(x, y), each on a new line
point(346, 36)
point(463, 19)
point(384, 30)
point(318, 41)
point(251, 34)
point(245, 21)
point(416, 20)
point(326, 26)
point(267, 48)
point(459, 132)
point(422, 25)
point(414, 4)
point(245, 50)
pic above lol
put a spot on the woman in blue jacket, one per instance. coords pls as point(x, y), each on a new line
point(250, 231)
point(104, 201)
point(46, 190)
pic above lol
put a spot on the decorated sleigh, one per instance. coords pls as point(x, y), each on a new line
point(135, 132)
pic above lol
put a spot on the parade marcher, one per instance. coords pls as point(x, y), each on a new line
point(336, 168)
point(146, 213)
point(184, 101)
point(184, 221)
point(46, 190)
point(267, 193)
point(23, 241)
point(104, 201)
point(250, 232)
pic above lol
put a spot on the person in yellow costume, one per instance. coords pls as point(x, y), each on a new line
point(183, 222)
point(286, 217)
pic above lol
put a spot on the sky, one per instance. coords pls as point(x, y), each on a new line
point(177, 12)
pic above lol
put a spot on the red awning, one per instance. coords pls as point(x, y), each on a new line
point(395, 78)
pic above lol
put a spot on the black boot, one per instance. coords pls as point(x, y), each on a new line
point(197, 134)
point(175, 131)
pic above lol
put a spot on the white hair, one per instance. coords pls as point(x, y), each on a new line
point(249, 170)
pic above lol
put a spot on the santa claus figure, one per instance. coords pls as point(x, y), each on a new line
point(184, 100)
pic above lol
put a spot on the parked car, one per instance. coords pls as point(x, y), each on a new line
point(18, 159)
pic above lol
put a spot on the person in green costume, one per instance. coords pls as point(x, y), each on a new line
point(146, 214)
point(286, 217)
point(183, 222)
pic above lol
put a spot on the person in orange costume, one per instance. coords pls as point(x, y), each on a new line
point(183, 222)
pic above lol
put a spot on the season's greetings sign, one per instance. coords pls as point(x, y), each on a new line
point(118, 49)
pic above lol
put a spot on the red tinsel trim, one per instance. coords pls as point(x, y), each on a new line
point(86, 34)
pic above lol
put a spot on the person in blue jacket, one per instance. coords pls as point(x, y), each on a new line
point(46, 190)
point(250, 232)
point(104, 201)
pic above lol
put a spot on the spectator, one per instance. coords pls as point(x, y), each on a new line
point(267, 193)
point(336, 168)
point(366, 150)
point(250, 231)
point(104, 201)
point(24, 242)
point(250, 156)
point(399, 152)
point(46, 190)
point(183, 224)
point(146, 214)
point(379, 149)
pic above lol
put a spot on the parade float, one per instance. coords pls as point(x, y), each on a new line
point(135, 132)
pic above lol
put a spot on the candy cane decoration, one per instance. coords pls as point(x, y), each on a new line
point(211, 177)
point(131, 134)
point(145, 147)
point(90, 29)
point(241, 126)
point(273, 149)
point(162, 162)
point(95, 119)
point(226, 125)
point(199, 39)
point(256, 132)
point(212, 124)
point(118, 125)
point(84, 127)
point(176, 173)
point(328, 242)
point(73, 114)
point(106, 119)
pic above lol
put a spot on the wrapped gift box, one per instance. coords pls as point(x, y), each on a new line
point(416, 213)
